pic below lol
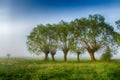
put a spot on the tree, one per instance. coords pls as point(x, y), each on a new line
point(77, 48)
point(118, 24)
point(106, 56)
point(117, 34)
point(38, 41)
point(63, 35)
point(94, 33)
point(75, 42)
point(8, 55)
point(90, 34)
point(52, 40)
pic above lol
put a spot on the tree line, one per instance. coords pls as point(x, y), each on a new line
point(82, 35)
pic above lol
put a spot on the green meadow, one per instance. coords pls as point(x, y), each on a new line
point(34, 69)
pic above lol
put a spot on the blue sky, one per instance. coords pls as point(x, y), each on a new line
point(32, 7)
point(19, 17)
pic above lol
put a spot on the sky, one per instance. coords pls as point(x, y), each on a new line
point(19, 17)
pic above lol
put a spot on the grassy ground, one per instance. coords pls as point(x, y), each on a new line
point(31, 69)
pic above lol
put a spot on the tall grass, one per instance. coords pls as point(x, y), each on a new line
point(32, 69)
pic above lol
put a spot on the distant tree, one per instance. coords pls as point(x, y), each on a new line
point(8, 55)
point(106, 56)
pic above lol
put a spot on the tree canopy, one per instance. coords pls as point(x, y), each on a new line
point(80, 35)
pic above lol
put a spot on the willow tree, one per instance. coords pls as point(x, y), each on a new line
point(38, 41)
point(77, 48)
point(106, 56)
point(53, 42)
point(75, 42)
point(117, 34)
point(94, 33)
point(63, 35)
point(118, 23)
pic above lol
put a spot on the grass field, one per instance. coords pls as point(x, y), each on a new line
point(32, 69)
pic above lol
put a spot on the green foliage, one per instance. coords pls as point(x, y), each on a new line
point(27, 69)
point(118, 23)
point(64, 35)
point(37, 40)
point(117, 34)
point(106, 56)
point(90, 34)
point(42, 39)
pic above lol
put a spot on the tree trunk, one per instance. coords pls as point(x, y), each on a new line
point(92, 57)
point(78, 58)
point(65, 57)
point(65, 51)
point(46, 56)
point(52, 55)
